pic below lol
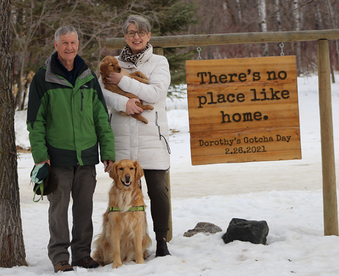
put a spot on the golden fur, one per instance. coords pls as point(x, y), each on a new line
point(124, 234)
point(110, 64)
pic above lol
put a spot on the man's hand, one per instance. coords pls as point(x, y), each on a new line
point(47, 161)
point(108, 165)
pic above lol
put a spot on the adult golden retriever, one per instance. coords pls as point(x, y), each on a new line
point(110, 64)
point(124, 234)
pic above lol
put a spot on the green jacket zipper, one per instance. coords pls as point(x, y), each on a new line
point(82, 99)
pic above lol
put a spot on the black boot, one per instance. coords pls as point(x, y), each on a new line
point(162, 249)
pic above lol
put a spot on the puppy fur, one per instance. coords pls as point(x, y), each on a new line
point(110, 64)
point(124, 235)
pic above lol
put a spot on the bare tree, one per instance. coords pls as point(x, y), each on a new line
point(235, 16)
point(34, 23)
point(262, 24)
point(297, 23)
point(12, 249)
point(273, 23)
point(25, 26)
point(333, 24)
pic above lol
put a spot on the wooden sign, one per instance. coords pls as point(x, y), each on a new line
point(243, 110)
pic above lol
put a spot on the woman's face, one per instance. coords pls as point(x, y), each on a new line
point(136, 40)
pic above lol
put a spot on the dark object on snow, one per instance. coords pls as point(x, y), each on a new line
point(246, 230)
point(203, 227)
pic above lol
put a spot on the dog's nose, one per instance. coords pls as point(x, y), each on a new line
point(127, 178)
point(119, 69)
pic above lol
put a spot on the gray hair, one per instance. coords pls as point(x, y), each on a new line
point(65, 30)
point(141, 23)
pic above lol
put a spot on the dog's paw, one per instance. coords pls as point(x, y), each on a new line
point(123, 113)
point(140, 118)
point(116, 264)
point(146, 254)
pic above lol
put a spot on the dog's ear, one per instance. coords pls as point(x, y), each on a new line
point(102, 69)
point(139, 172)
point(113, 173)
point(104, 66)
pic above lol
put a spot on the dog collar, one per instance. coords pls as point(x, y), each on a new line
point(132, 209)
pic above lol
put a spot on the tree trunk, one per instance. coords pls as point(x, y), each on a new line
point(263, 25)
point(12, 249)
point(297, 16)
point(18, 98)
point(272, 23)
point(333, 25)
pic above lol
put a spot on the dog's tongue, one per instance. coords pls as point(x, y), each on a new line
point(127, 183)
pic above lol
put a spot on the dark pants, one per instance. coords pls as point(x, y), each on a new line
point(80, 182)
point(158, 194)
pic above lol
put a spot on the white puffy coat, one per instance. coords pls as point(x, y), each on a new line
point(147, 143)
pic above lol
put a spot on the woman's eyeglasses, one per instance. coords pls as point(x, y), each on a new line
point(132, 33)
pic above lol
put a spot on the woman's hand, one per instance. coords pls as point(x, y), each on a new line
point(132, 108)
point(115, 78)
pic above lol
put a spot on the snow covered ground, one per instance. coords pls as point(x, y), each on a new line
point(287, 194)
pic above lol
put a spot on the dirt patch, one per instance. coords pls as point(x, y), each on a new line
point(20, 149)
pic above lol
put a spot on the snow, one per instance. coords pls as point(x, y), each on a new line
point(286, 194)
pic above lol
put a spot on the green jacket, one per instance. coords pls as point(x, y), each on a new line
point(65, 122)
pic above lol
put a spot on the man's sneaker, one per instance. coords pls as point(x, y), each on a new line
point(86, 262)
point(63, 266)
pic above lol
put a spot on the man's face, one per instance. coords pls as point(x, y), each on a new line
point(67, 48)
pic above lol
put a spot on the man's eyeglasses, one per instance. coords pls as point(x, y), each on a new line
point(132, 33)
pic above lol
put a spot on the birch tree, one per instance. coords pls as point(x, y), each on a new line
point(262, 24)
point(297, 23)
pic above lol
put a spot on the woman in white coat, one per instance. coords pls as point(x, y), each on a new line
point(147, 143)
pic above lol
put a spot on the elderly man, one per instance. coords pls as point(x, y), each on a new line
point(67, 120)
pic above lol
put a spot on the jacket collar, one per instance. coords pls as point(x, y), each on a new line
point(142, 59)
point(55, 71)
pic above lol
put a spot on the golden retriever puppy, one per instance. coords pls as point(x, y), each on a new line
point(110, 64)
point(124, 234)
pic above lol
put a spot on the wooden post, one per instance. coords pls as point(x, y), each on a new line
point(327, 145)
point(160, 51)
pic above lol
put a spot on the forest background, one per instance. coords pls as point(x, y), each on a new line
point(34, 22)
